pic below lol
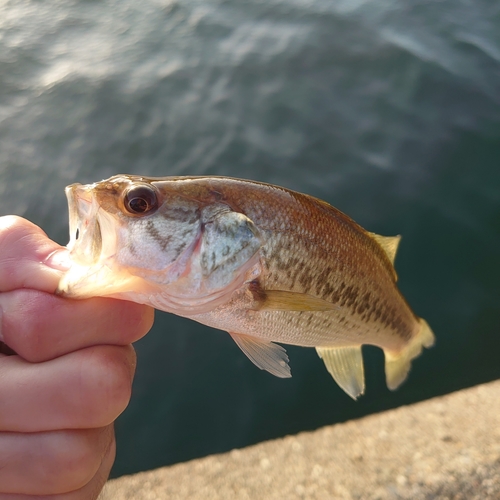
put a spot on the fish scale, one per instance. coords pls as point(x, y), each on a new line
point(331, 283)
point(265, 263)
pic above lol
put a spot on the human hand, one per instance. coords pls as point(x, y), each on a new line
point(71, 376)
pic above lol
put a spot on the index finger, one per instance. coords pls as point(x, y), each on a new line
point(40, 326)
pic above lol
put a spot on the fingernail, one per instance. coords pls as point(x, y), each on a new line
point(59, 259)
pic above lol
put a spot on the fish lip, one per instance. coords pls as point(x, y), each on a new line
point(92, 242)
point(84, 226)
point(79, 198)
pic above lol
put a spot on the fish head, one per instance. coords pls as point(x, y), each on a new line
point(152, 242)
point(124, 230)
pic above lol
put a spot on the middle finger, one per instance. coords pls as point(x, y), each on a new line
point(84, 389)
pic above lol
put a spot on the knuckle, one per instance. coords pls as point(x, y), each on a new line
point(147, 320)
point(29, 337)
point(64, 461)
point(132, 320)
point(109, 382)
point(79, 459)
point(12, 222)
point(14, 228)
point(142, 318)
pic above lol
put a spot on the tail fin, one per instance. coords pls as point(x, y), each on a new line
point(397, 365)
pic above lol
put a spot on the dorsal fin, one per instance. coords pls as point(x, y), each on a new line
point(388, 243)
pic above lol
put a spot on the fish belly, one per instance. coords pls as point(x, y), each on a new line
point(335, 328)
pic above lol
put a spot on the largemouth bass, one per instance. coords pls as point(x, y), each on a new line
point(262, 262)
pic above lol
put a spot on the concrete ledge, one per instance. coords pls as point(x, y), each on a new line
point(444, 448)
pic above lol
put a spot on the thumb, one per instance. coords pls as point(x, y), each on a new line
point(28, 258)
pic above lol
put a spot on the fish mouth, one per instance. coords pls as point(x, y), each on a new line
point(92, 244)
point(85, 244)
point(92, 249)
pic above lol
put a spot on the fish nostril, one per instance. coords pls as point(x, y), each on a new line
point(77, 233)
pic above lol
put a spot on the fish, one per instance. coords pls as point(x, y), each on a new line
point(266, 264)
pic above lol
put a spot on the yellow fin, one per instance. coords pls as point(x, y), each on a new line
point(281, 300)
point(388, 243)
point(345, 365)
point(397, 365)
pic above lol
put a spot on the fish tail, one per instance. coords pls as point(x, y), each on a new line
point(397, 365)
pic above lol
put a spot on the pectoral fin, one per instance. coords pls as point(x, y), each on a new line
point(345, 365)
point(266, 355)
point(281, 300)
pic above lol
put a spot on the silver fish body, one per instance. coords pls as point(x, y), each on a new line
point(264, 263)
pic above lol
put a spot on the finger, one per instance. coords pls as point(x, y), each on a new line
point(40, 326)
point(28, 258)
point(52, 463)
point(84, 389)
point(90, 491)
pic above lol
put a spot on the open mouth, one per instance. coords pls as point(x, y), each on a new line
point(85, 242)
point(92, 246)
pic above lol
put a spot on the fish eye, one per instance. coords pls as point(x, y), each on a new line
point(139, 200)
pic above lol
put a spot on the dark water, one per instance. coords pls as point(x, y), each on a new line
point(389, 110)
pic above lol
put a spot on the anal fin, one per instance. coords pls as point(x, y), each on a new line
point(263, 354)
point(345, 365)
